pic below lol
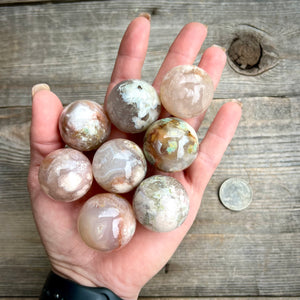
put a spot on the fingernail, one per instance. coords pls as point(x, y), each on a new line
point(145, 15)
point(220, 47)
point(237, 102)
point(39, 87)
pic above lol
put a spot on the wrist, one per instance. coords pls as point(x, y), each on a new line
point(77, 275)
point(59, 288)
point(124, 290)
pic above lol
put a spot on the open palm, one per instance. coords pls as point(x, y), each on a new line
point(126, 271)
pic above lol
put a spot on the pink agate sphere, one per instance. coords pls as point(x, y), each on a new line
point(65, 175)
point(106, 222)
point(119, 165)
point(186, 91)
point(84, 125)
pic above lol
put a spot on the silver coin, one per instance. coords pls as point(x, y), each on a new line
point(235, 194)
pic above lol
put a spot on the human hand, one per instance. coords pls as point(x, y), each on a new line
point(127, 270)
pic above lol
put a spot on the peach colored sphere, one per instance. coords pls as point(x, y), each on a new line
point(65, 174)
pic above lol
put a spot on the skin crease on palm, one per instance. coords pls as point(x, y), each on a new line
point(127, 270)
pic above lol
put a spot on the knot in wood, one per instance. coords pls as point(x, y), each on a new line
point(245, 51)
point(251, 51)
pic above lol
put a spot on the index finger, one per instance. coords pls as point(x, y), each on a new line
point(132, 52)
point(213, 62)
point(183, 50)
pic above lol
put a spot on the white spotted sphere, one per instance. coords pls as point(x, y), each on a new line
point(133, 105)
point(65, 175)
point(161, 203)
point(119, 165)
point(186, 91)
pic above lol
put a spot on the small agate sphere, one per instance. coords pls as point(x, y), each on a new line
point(119, 165)
point(106, 222)
point(84, 125)
point(161, 203)
point(171, 144)
point(186, 91)
point(133, 105)
point(65, 174)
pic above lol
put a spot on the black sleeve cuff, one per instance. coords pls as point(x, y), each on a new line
point(59, 288)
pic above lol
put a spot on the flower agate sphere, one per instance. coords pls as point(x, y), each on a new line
point(186, 91)
point(65, 174)
point(161, 203)
point(133, 105)
point(119, 165)
point(106, 222)
point(83, 125)
point(171, 144)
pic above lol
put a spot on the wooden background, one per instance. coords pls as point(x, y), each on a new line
point(72, 47)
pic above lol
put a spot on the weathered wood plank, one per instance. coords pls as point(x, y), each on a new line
point(18, 2)
point(72, 46)
point(194, 298)
point(251, 253)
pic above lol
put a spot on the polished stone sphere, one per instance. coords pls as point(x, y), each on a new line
point(65, 174)
point(186, 91)
point(106, 222)
point(119, 165)
point(84, 125)
point(133, 105)
point(171, 144)
point(161, 203)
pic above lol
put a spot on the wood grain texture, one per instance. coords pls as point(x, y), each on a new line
point(247, 248)
point(194, 298)
point(72, 46)
point(254, 252)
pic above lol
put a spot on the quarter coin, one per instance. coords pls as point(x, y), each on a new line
point(235, 194)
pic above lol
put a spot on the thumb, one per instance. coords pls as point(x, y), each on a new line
point(44, 132)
